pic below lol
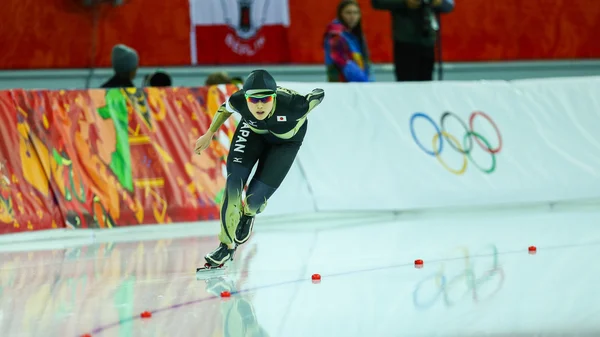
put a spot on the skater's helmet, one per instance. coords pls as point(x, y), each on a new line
point(259, 82)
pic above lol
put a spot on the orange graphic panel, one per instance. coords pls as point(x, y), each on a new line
point(106, 158)
point(26, 199)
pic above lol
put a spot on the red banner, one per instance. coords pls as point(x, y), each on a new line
point(109, 158)
point(160, 31)
point(269, 45)
point(239, 31)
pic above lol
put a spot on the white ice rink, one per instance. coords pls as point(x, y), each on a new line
point(478, 278)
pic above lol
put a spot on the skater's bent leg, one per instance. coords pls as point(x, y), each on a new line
point(257, 196)
point(272, 169)
point(231, 207)
point(245, 149)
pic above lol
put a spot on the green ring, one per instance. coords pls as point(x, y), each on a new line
point(488, 145)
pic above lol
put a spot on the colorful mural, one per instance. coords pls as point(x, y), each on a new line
point(105, 158)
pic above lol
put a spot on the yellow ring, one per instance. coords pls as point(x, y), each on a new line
point(465, 255)
point(437, 154)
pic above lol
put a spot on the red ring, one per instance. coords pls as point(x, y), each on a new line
point(485, 148)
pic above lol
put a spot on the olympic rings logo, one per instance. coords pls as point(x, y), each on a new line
point(466, 147)
point(471, 283)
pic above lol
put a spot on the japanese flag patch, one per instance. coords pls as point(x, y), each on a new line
point(281, 119)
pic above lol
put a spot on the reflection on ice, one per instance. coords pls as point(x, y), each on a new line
point(478, 279)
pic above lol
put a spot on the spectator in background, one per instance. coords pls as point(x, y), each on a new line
point(237, 81)
point(158, 79)
point(220, 77)
point(345, 46)
point(414, 29)
point(125, 63)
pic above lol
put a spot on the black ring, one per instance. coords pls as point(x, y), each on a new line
point(468, 149)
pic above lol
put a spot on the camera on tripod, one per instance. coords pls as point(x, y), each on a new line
point(430, 24)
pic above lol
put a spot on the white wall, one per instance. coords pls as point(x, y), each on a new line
point(360, 153)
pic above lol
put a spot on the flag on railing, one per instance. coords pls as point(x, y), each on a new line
point(239, 31)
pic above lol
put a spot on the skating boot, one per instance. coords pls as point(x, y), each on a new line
point(215, 262)
point(244, 229)
point(219, 256)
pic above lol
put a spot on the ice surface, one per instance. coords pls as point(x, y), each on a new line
point(478, 279)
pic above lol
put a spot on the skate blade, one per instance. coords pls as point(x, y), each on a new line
point(206, 272)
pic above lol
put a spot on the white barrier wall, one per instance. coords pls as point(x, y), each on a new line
point(381, 146)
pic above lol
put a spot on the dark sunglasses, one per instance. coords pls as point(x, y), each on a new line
point(260, 98)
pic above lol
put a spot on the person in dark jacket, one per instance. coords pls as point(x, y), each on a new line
point(414, 28)
point(125, 63)
point(158, 78)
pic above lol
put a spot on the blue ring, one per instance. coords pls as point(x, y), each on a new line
point(412, 132)
point(429, 304)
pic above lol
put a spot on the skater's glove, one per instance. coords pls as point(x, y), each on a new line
point(203, 142)
point(318, 92)
point(315, 98)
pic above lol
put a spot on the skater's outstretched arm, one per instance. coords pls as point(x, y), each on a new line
point(314, 98)
point(304, 104)
point(220, 117)
point(222, 114)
